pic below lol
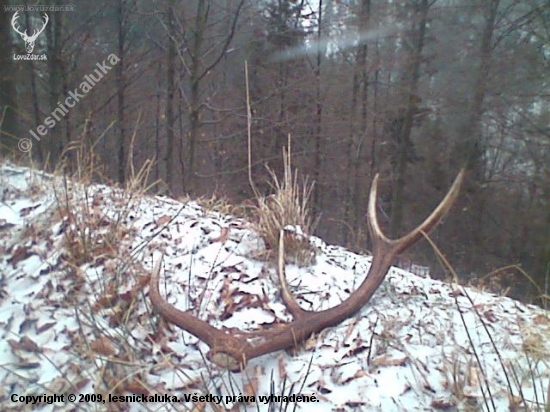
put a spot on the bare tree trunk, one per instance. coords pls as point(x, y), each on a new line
point(358, 179)
point(197, 75)
point(317, 200)
point(170, 94)
point(56, 141)
point(471, 148)
point(404, 138)
point(8, 95)
point(348, 193)
point(358, 125)
point(120, 81)
point(194, 107)
point(373, 166)
point(157, 122)
point(43, 153)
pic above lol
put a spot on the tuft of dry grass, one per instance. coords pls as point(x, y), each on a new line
point(461, 379)
point(287, 210)
point(216, 203)
point(501, 280)
point(91, 234)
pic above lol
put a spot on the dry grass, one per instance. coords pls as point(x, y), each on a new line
point(91, 234)
point(287, 210)
point(216, 203)
point(101, 238)
point(505, 279)
point(518, 374)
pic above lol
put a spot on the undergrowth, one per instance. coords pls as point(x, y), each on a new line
point(520, 373)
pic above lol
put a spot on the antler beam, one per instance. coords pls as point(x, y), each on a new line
point(233, 351)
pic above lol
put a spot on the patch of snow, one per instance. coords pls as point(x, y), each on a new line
point(68, 329)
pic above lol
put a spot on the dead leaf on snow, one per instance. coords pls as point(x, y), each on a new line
point(137, 387)
point(388, 360)
point(25, 344)
point(26, 210)
point(44, 327)
point(4, 225)
point(103, 346)
point(21, 253)
point(541, 320)
point(163, 220)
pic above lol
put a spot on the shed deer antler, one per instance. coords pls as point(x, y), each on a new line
point(234, 350)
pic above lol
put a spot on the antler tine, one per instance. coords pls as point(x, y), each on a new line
point(293, 307)
point(412, 237)
point(232, 351)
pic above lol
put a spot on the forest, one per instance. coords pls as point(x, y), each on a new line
point(412, 89)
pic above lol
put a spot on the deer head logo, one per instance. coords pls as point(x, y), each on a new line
point(29, 40)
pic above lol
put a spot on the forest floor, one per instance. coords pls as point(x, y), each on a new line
point(75, 262)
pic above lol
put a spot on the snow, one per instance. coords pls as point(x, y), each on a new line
point(90, 329)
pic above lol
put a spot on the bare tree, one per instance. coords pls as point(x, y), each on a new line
point(8, 99)
point(404, 122)
point(170, 94)
point(122, 24)
point(355, 150)
point(200, 61)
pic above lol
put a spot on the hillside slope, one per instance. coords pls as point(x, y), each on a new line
point(75, 263)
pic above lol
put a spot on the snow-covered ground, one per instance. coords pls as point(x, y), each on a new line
point(89, 329)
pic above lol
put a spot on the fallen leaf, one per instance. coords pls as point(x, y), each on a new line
point(136, 386)
point(26, 344)
point(163, 220)
point(103, 346)
point(21, 253)
point(26, 210)
point(541, 320)
point(388, 360)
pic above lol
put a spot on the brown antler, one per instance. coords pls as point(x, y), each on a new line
point(232, 351)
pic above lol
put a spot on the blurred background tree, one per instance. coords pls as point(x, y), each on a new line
point(412, 89)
